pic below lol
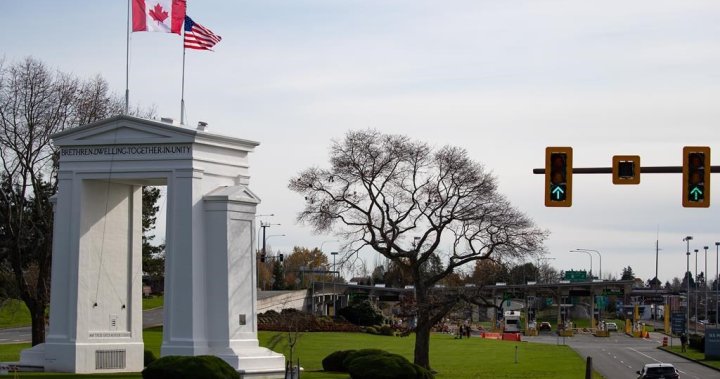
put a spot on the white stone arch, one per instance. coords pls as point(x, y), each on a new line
point(210, 291)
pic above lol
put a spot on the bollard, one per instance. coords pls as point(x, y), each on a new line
point(516, 354)
point(588, 368)
point(665, 341)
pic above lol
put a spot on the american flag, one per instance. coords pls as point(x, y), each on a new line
point(199, 37)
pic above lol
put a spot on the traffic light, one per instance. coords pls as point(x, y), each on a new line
point(696, 176)
point(626, 169)
point(558, 176)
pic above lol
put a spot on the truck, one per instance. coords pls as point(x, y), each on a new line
point(511, 322)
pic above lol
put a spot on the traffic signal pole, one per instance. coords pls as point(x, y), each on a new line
point(643, 170)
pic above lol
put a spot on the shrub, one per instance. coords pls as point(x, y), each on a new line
point(371, 330)
point(387, 330)
point(361, 313)
point(697, 341)
point(148, 357)
point(203, 366)
point(334, 361)
point(361, 353)
point(385, 366)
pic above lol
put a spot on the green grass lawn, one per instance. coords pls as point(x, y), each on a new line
point(14, 313)
point(693, 354)
point(466, 358)
point(152, 302)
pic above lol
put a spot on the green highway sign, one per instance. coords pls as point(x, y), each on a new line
point(576, 276)
point(608, 292)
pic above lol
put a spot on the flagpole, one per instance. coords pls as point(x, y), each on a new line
point(127, 60)
point(182, 93)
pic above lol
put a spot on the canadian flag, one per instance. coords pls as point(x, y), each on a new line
point(165, 16)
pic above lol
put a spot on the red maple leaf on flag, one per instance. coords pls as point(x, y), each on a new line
point(158, 14)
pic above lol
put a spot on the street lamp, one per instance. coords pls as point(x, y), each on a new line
point(696, 292)
point(599, 257)
point(717, 284)
point(323, 243)
point(334, 254)
point(705, 284)
point(589, 255)
point(687, 275)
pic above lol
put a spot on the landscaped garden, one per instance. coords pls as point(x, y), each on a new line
point(450, 357)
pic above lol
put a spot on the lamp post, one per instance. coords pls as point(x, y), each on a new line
point(265, 225)
point(323, 243)
point(687, 275)
point(589, 255)
point(696, 292)
point(705, 288)
point(334, 254)
point(717, 283)
point(599, 257)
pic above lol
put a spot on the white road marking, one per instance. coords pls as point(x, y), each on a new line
point(644, 355)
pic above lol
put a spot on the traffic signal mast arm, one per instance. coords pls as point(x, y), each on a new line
point(643, 170)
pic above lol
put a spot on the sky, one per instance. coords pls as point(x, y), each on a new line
point(501, 79)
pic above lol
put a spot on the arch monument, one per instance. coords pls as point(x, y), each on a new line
point(210, 283)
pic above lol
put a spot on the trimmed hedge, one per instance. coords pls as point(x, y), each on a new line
point(386, 366)
point(374, 364)
point(200, 367)
point(697, 341)
point(334, 361)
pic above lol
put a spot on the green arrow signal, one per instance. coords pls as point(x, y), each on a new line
point(696, 192)
point(558, 192)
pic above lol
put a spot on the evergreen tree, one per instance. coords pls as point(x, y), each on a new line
point(153, 256)
point(278, 276)
point(627, 273)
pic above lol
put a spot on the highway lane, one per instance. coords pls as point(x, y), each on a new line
point(620, 356)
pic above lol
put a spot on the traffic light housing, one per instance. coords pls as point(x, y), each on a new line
point(558, 176)
point(626, 169)
point(696, 176)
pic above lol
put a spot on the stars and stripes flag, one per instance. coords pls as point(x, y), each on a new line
point(199, 37)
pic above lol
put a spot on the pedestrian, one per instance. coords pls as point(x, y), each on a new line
point(683, 342)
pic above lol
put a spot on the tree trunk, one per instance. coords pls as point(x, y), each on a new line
point(422, 329)
point(37, 315)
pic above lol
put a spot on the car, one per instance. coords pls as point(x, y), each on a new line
point(611, 326)
point(545, 326)
point(658, 371)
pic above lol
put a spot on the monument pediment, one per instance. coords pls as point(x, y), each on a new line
point(130, 130)
point(124, 129)
point(233, 193)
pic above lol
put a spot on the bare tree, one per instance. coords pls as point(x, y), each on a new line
point(402, 199)
point(35, 103)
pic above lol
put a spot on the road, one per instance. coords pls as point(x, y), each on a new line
point(152, 317)
point(620, 356)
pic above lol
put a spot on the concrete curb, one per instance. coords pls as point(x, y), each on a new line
point(689, 359)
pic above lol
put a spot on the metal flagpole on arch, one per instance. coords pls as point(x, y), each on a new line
point(182, 91)
point(127, 60)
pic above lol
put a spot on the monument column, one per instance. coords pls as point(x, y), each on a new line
point(185, 304)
